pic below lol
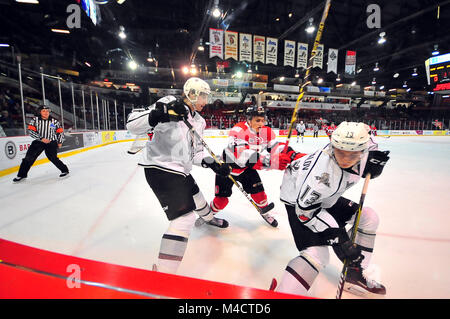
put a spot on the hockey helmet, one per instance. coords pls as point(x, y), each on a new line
point(43, 107)
point(350, 136)
point(195, 86)
point(255, 110)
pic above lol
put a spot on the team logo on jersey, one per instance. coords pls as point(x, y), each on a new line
point(324, 178)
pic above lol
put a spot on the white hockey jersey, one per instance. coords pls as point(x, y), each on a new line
point(173, 147)
point(300, 127)
point(315, 182)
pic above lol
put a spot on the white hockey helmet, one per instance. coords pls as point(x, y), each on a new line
point(301, 122)
point(350, 136)
point(195, 86)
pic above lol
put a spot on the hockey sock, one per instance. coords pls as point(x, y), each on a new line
point(260, 199)
point(174, 243)
point(219, 203)
point(298, 276)
point(202, 208)
point(366, 234)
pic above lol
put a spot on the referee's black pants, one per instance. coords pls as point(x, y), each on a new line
point(36, 148)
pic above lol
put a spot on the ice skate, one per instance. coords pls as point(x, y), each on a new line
point(217, 222)
point(358, 283)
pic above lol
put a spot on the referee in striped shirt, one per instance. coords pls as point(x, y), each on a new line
point(48, 136)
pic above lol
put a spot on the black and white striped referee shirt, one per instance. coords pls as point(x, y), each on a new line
point(50, 129)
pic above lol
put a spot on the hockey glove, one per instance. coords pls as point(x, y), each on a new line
point(284, 159)
point(375, 163)
point(158, 114)
point(177, 111)
point(220, 169)
point(342, 245)
point(173, 111)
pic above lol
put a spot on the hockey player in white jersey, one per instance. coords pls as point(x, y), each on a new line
point(301, 128)
point(312, 191)
point(168, 160)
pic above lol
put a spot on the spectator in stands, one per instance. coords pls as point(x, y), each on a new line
point(5, 120)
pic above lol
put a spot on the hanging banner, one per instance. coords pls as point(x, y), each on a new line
point(215, 43)
point(271, 51)
point(318, 59)
point(231, 45)
point(245, 47)
point(289, 53)
point(332, 60)
point(259, 46)
point(350, 63)
point(302, 55)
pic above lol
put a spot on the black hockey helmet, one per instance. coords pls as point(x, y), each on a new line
point(255, 110)
point(43, 107)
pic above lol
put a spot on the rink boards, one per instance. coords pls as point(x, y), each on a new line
point(13, 149)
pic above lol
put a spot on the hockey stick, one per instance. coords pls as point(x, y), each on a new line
point(308, 72)
point(262, 211)
point(354, 231)
point(135, 147)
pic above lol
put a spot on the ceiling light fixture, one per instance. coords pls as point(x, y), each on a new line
point(216, 11)
point(121, 33)
point(436, 51)
point(382, 38)
point(311, 28)
point(132, 65)
point(376, 68)
point(28, 1)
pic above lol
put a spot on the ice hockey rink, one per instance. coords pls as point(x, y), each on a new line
point(105, 211)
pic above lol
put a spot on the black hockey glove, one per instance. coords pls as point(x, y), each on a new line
point(375, 163)
point(177, 110)
point(220, 169)
point(173, 111)
point(342, 245)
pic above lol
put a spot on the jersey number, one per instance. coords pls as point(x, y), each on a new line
point(313, 197)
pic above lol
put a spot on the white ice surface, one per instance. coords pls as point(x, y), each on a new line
point(106, 211)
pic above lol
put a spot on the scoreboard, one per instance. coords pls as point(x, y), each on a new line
point(438, 70)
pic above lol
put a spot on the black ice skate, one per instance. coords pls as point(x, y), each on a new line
point(63, 174)
point(217, 222)
point(18, 179)
point(357, 283)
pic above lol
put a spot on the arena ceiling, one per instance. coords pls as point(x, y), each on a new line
point(171, 31)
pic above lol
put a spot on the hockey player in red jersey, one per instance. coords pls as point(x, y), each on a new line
point(373, 130)
point(252, 146)
point(330, 129)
